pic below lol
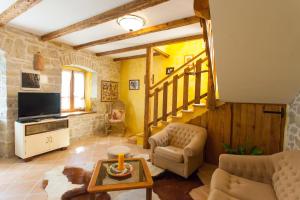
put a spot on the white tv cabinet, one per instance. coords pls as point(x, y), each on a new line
point(35, 138)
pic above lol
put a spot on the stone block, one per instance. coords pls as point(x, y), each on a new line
point(19, 49)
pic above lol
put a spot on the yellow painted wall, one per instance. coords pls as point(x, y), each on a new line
point(135, 69)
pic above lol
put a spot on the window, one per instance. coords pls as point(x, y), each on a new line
point(72, 90)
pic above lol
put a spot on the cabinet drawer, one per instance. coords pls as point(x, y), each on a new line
point(46, 127)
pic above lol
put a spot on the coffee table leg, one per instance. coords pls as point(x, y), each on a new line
point(92, 196)
point(148, 193)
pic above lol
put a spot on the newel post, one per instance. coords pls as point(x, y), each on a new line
point(149, 62)
point(211, 93)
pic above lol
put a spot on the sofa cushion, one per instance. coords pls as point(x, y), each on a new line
point(240, 187)
point(215, 194)
point(286, 178)
point(171, 153)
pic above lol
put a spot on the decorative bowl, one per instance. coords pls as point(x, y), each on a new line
point(113, 170)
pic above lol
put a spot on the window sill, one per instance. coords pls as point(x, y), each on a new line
point(76, 113)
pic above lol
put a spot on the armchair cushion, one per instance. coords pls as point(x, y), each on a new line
point(117, 114)
point(172, 153)
point(239, 187)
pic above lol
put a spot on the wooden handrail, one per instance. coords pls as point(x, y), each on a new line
point(171, 82)
point(179, 108)
point(178, 69)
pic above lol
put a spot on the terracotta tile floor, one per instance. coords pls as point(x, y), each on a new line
point(21, 180)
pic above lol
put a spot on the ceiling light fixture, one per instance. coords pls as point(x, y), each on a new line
point(131, 22)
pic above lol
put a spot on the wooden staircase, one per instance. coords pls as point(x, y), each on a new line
point(163, 96)
point(168, 87)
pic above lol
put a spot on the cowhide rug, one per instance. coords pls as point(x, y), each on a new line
point(70, 183)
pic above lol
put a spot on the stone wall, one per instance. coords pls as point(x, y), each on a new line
point(3, 100)
point(19, 48)
point(292, 136)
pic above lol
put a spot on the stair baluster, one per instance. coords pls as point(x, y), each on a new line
point(155, 107)
point(186, 89)
point(174, 96)
point(165, 102)
point(198, 81)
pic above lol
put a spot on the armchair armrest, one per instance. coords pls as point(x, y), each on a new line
point(196, 146)
point(159, 139)
point(257, 168)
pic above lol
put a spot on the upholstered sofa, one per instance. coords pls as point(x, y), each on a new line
point(178, 148)
point(257, 177)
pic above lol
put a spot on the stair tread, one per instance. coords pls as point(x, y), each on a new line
point(177, 117)
point(187, 111)
point(199, 105)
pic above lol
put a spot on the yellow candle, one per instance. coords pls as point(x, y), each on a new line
point(121, 161)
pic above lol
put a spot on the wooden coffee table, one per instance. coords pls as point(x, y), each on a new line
point(140, 178)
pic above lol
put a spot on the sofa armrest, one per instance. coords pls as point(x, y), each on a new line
point(257, 168)
point(196, 146)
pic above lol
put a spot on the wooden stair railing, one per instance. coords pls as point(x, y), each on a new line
point(172, 79)
point(178, 69)
point(174, 82)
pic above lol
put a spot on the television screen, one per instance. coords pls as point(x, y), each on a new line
point(35, 105)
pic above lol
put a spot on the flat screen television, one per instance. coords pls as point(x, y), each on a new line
point(38, 105)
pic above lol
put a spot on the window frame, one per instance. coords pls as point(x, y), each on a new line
point(72, 98)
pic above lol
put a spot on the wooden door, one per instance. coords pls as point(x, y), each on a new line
point(260, 125)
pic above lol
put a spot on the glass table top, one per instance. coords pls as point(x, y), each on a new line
point(138, 174)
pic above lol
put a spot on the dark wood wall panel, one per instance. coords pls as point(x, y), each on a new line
point(242, 124)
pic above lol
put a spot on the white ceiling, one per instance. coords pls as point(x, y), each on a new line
point(51, 15)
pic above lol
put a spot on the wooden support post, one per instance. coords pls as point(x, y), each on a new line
point(174, 96)
point(165, 102)
point(149, 62)
point(155, 107)
point(211, 93)
point(198, 81)
point(185, 101)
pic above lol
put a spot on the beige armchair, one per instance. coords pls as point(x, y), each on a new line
point(178, 148)
point(257, 177)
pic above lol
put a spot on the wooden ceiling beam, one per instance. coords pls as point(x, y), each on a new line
point(201, 8)
point(162, 53)
point(112, 14)
point(154, 44)
point(161, 27)
point(134, 57)
point(16, 9)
